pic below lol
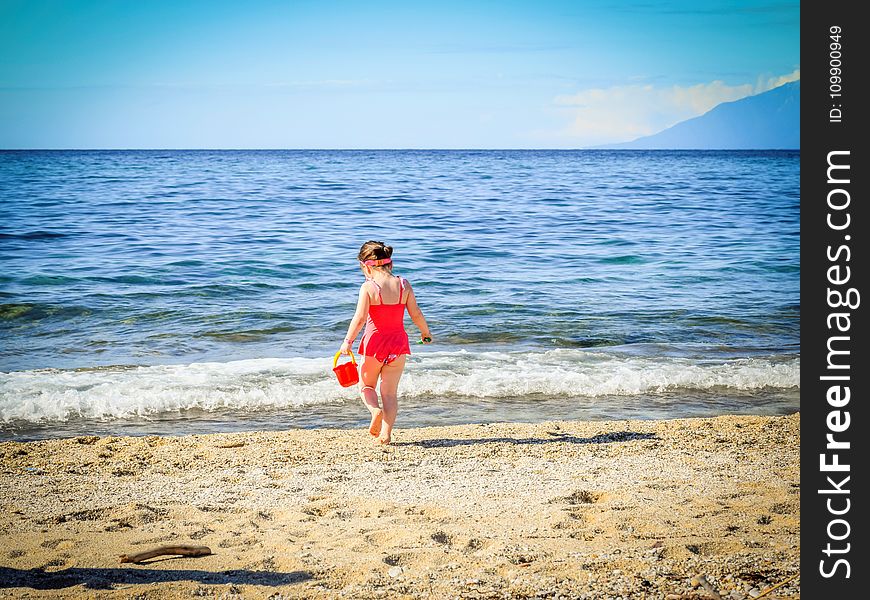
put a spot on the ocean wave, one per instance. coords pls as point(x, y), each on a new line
point(107, 393)
point(34, 235)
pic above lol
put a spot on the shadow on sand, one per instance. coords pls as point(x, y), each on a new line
point(104, 579)
point(554, 437)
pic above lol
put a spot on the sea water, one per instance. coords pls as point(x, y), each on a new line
point(174, 292)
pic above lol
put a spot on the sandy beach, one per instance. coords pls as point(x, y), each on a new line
point(618, 509)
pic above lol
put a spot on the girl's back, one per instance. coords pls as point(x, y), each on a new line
point(385, 316)
point(389, 291)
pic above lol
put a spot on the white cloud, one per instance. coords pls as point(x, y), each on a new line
point(625, 112)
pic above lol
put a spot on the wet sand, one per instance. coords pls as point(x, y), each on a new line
point(630, 509)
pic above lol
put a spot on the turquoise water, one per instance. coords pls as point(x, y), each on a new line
point(175, 291)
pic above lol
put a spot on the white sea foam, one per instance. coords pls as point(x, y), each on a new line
point(287, 383)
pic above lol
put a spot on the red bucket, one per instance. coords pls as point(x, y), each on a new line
point(346, 373)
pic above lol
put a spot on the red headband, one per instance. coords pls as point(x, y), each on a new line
point(377, 263)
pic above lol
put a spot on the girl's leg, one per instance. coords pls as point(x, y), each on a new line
point(369, 371)
point(390, 375)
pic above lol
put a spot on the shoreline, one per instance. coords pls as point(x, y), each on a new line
point(579, 508)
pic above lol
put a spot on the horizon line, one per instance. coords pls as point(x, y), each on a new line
point(597, 149)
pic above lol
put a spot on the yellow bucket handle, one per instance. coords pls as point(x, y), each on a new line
point(337, 354)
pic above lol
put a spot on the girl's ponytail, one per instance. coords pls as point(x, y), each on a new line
point(375, 250)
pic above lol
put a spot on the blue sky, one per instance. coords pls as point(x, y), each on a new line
point(377, 74)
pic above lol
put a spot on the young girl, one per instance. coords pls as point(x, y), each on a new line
point(384, 345)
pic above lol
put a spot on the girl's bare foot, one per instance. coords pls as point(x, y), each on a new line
point(377, 419)
point(384, 439)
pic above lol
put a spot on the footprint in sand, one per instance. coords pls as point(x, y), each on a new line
point(319, 509)
point(60, 561)
point(442, 538)
point(521, 555)
point(785, 508)
point(201, 533)
point(396, 560)
point(60, 543)
point(578, 502)
point(378, 538)
point(709, 548)
point(576, 519)
point(580, 497)
point(236, 542)
point(94, 514)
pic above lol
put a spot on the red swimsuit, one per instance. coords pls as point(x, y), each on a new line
point(384, 337)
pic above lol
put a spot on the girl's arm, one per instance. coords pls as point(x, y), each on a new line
point(417, 314)
point(359, 317)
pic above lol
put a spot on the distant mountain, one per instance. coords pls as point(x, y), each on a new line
point(770, 120)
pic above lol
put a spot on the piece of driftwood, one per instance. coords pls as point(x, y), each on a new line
point(160, 551)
